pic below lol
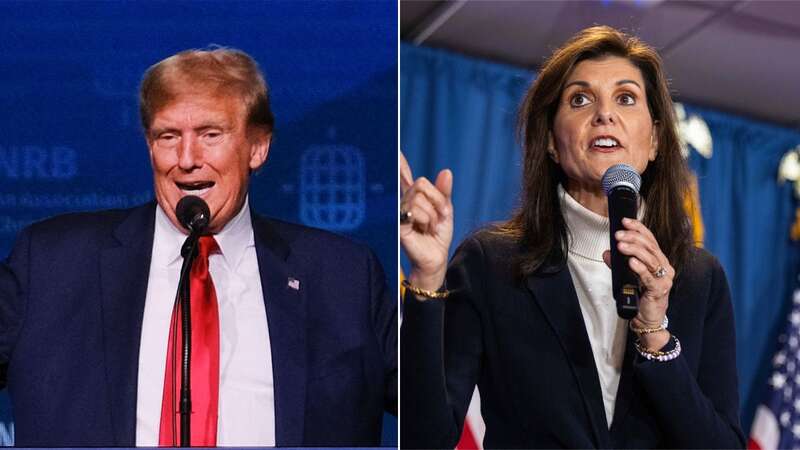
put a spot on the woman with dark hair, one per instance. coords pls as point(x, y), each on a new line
point(526, 311)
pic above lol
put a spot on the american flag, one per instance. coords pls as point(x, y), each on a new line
point(474, 428)
point(777, 420)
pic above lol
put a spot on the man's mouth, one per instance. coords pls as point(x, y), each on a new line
point(195, 187)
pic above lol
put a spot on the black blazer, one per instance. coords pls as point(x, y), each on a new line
point(525, 345)
point(72, 298)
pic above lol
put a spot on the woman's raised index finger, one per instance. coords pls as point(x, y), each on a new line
point(406, 177)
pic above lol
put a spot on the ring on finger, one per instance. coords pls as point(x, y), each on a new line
point(660, 272)
point(405, 216)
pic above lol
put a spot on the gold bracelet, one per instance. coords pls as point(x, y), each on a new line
point(641, 331)
point(424, 292)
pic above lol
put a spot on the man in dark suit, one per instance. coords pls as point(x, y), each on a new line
point(304, 329)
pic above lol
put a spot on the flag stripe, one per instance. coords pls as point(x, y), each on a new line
point(467, 441)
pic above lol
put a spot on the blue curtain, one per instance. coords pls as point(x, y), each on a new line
point(459, 112)
point(747, 216)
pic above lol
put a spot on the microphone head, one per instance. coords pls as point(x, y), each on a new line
point(193, 213)
point(621, 175)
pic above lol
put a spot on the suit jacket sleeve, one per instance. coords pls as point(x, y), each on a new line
point(701, 411)
point(383, 310)
point(441, 355)
point(12, 307)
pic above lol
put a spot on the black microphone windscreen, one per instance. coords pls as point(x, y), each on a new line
point(193, 213)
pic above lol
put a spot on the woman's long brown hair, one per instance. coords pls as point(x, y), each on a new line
point(538, 222)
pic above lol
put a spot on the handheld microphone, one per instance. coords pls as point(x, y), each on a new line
point(193, 213)
point(621, 184)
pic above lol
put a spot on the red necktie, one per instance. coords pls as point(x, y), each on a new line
point(205, 359)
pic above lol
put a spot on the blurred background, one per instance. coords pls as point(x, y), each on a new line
point(733, 66)
point(70, 138)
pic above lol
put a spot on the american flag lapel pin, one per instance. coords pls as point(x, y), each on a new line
point(293, 283)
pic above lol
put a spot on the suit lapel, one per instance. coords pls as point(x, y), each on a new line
point(564, 315)
point(625, 393)
point(285, 303)
point(124, 271)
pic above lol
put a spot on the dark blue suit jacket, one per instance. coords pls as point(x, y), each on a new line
point(72, 297)
point(524, 343)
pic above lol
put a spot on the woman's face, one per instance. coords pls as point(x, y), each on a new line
point(602, 120)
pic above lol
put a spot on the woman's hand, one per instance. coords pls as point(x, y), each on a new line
point(655, 275)
point(427, 234)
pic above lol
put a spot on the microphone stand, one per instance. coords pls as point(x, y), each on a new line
point(189, 253)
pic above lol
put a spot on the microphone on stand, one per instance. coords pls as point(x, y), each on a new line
point(193, 213)
point(621, 184)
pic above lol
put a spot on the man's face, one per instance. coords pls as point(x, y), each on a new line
point(201, 145)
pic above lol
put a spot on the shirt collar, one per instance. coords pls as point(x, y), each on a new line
point(588, 231)
point(237, 236)
point(234, 239)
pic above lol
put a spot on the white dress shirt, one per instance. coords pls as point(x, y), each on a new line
point(591, 277)
point(246, 391)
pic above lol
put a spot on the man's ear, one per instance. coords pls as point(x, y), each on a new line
point(653, 142)
point(259, 148)
point(551, 147)
point(149, 141)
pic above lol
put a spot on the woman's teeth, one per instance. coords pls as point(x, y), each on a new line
point(605, 142)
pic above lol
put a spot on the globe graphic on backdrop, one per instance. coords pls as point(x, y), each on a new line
point(332, 187)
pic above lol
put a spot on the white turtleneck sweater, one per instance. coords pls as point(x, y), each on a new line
point(588, 239)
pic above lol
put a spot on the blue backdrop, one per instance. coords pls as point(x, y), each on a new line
point(460, 113)
point(70, 137)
